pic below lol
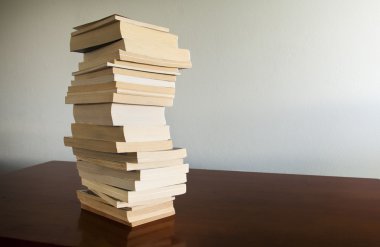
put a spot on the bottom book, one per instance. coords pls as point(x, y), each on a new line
point(132, 216)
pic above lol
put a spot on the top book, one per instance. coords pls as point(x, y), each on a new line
point(95, 34)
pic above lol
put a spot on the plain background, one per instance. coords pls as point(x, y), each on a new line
point(276, 86)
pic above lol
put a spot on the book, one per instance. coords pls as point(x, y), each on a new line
point(96, 35)
point(135, 157)
point(121, 86)
point(117, 147)
point(123, 92)
point(107, 56)
point(94, 65)
point(135, 196)
point(125, 216)
point(131, 184)
point(126, 133)
point(143, 51)
point(126, 72)
point(127, 166)
point(119, 114)
point(140, 175)
point(118, 98)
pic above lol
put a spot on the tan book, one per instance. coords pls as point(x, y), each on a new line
point(117, 147)
point(125, 92)
point(135, 158)
point(180, 58)
point(140, 175)
point(90, 36)
point(126, 72)
point(94, 65)
point(121, 86)
point(118, 98)
point(123, 78)
point(126, 216)
point(101, 197)
point(135, 196)
point(88, 195)
point(127, 166)
point(119, 114)
point(108, 56)
point(131, 184)
point(127, 133)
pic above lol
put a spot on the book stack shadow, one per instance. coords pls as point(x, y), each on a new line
point(122, 143)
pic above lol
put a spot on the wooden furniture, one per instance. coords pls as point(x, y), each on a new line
point(39, 208)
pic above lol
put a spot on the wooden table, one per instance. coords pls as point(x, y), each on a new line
point(39, 208)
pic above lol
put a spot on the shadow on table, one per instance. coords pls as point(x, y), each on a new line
point(99, 231)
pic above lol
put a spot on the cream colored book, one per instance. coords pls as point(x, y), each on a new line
point(141, 175)
point(127, 133)
point(130, 184)
point(94, 65)
point(117, 147)
point(135, 196)
point(140, 52)
point(125, 79)
point(126, 166)
point(134, 158)
point(126, 72)
point(124, 92)
point(92, 35)
point(108, 56)
point(119, 114)
point(118, 98)
point(100, 197)
point(121, 86)
point(126, 216)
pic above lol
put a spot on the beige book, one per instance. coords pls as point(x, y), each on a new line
point(136, 158)
point(141, 175)
point(126, 72)
point(101, 197)
point(126, 216)
point(121, 86)
point(94, 65)
point(125, 92)
point(121, 28)
point(125, 79)
point(131, 184)
point(136, 196)
point(109, 56)
point(127, 133)
point(117, 147)
point(142, 53)
point(89, 196)
point(119, 114)
point(127, 166)
point(118, 98)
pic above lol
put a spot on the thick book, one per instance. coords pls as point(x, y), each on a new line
point(117, 147)
point(180, 57)
point(134, 158)
point(125, 166)
point(123, 92)
point(109, 97)
point(126, 72)
point(126, 133)
point(127, 87)
point(136, 196)
point(124, 182)
point(119, 114)
point(125, 216)
point(94, 65)
point(92, 35)
point(140, 175)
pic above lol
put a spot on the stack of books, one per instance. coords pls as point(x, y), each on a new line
point(125, 155)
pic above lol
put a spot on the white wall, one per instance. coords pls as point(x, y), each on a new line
point(277, 86)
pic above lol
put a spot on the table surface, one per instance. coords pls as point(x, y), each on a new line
point(221, 208)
